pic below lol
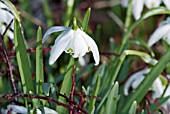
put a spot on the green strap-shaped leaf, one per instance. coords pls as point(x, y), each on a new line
point(22, 59)
point(143, 88)
point(111, 104)
point(66, 86)
point(39, 62)
point(133, 108)
point(95, 93)
point(86, 19)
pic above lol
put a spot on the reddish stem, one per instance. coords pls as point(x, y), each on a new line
point(7, 59)
point(73, 86)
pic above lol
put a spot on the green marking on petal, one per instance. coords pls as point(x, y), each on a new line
point(69, 50)
point(88, 48)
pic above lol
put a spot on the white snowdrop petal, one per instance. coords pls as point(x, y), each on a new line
point(60, 44)
point(157, 88)
point(2, 5)
point(54, 29)
point(137, 81)
point(17, 109)
point(167, 38)
point(5, 16)
point(152, 3)
point(10, 7)
point(93, 47)
point(80, 46)
point(124, 3)
point(49, 111)
point(167, 3)
point(134, 77)
point(137, 8)
point(158, 34)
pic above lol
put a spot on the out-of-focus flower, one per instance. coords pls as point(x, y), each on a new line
point(161, 32)
point(135, 80)
point(157, 87)
point(23, 110)
point(7, 14)
point(75, 42)
point(138, 5)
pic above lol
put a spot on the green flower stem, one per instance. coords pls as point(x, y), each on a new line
point(75, 27)
point(128, 15)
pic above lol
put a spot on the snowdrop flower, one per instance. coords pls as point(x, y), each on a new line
point(135, 80)
point(161, 32)
point(74, 41)
point(157, 87)
point(8, 13)
point(138, 5)
point(22, 110)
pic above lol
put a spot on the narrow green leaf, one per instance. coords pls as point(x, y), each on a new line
point(22, 59)
point(47, 12)
point(148, 81)
point(133, 108)
point(95, 93)
point(39, 62)
point(66, 86)
point(111, 104)
point(86, 19)
point(93, 110)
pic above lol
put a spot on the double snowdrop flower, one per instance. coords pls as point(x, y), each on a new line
point(74, 41)
point(163, 31)
point(22, 110)
point(157, 87)
point(138, 5)
point(7, 14)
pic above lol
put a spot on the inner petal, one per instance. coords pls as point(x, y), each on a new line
point(80, 46)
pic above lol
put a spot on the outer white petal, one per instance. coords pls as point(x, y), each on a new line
point(134, 77)
point(137, 81)
point(138, 8)
point(9, 32)
point(5, 16)
point(152, 3)
point(158, 34)
point(60, 44)
point(93, 47)
point(49, 111)
point(80, 46)
point(54, 29)
point(124, 3)
point(157, 88)
point(167, 93)
point(17, 109)
point(2, 5)
point(167, 3)
point(167, 38)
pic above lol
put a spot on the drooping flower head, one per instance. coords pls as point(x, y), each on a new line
point(72, 40)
